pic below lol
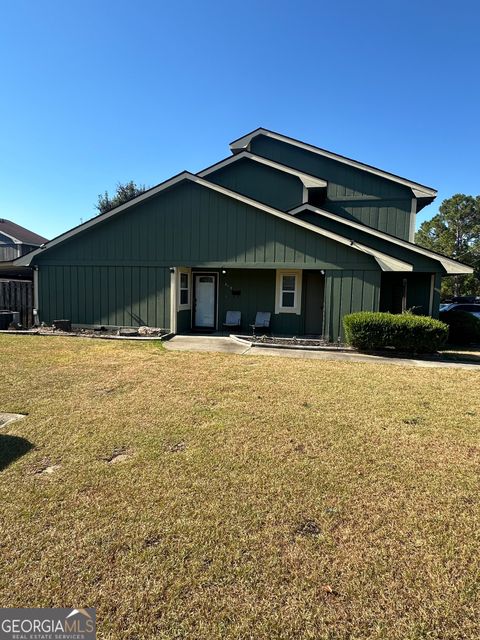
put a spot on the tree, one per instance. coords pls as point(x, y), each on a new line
point(124, 193)
point(455, 232)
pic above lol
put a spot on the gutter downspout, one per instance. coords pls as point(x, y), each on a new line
point(173, 300)
point(413, 219)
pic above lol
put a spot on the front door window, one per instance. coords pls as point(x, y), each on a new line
point(205, 301)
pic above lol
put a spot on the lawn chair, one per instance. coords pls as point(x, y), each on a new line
point(233, 320)
point(262, 321)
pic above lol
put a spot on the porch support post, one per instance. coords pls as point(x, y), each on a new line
point(404, 294)
point(173, 300)
point(36, 320)
point(432, 293)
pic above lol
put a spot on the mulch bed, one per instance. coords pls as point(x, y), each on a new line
point(289, 342)
point(97, 332)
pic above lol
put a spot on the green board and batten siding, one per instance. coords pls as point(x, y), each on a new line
point(347, 291)
point(190, 225)
point(351, 192)
point(118, 272)
point(105, 295)
point(265, 184)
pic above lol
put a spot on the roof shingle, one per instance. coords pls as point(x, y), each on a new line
point(20, 233)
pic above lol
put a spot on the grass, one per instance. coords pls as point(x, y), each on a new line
point(260, 498)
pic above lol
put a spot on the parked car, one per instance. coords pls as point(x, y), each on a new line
point(474, 309)
point(463, 300)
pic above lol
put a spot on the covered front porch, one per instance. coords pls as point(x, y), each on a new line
point(301, 302)
point(202, 297)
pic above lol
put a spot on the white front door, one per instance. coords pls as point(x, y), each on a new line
point(205, 301)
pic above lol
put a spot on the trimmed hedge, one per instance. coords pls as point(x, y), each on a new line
point(374, 330)
point(464, 328)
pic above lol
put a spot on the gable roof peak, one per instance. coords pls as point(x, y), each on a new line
point(243, 144)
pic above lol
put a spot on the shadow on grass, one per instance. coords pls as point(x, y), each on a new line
point(462, 353)
point(12, 448)
point(453, 354)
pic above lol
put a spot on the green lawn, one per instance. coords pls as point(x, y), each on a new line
point(260, 498)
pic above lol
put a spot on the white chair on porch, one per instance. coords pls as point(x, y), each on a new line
point(262, 321)
point(233, 320)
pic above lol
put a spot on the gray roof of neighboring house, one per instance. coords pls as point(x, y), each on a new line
point(20, 234)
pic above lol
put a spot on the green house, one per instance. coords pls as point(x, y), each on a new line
point(279, 226)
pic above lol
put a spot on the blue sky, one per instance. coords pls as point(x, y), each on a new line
point(100, 91)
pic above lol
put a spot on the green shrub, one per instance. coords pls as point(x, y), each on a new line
point(463, 327)
point(406, 332)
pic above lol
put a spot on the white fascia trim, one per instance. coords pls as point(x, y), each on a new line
point(421, 193)
point(452, 267)
point(12, 238)
point(307, 180)
point(387, 263)
point(244, 142)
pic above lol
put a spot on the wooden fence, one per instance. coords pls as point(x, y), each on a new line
point(17, 295)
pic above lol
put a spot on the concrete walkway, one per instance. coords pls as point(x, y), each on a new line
point(218, 344)
point(205, 343)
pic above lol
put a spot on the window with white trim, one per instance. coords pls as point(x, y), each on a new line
point(183, 289)
point(288, 292)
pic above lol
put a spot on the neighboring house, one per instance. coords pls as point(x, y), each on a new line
point(15, 241)
point(279, 226)
point(16, 290)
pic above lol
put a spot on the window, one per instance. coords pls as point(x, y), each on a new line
point(183, 289)
point(288, 294)
point(288, 291)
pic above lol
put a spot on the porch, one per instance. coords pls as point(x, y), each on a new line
point(302, 302)
point(201, 298)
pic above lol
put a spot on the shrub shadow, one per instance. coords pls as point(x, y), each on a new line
point(12, 448)
point(440, 356)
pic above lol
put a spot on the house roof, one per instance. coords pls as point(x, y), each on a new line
point(451, 266)
point(19, 234)
point(242, 144)
point(386, 262)
point(307, 180)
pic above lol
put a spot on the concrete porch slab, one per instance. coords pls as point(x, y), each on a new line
point(215, 344)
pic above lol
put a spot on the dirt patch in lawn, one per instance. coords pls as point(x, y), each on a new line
point(45, 468)
point(177, 447)
point(308, 528)
point(117, 455)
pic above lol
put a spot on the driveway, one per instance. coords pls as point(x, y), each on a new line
point(217, 344)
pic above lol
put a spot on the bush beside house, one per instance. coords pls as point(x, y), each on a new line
point(405, 332)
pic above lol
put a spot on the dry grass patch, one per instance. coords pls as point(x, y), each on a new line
point(290, 499)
